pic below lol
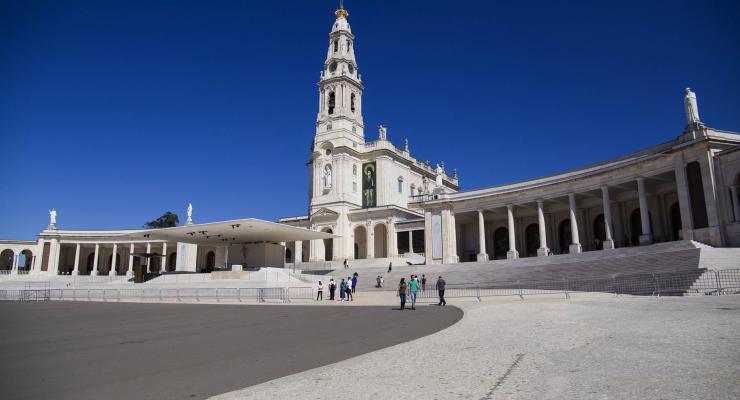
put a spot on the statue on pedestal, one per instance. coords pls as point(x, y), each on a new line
point(692, 110)
point(382, 132)
point(190, 214)
point(406, 145)
point(52, 219)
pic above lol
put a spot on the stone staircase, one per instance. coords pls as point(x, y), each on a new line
point(687, 257)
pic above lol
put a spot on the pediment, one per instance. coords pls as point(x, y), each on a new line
point(324, 213)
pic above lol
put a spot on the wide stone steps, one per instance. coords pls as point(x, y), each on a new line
point(682, 256)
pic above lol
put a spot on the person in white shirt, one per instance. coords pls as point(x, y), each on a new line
point(320, 293)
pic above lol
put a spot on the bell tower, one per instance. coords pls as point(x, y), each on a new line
point(340, 87)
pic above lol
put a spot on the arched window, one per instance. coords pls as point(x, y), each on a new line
point(336, 46)
point(352, 102)
point(332, 101)
point(400, 184)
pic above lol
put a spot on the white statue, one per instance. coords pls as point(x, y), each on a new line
point(406, 145)
point(52, 217)
point(190, 214)
point(425, 185)
point(327, 177)
point(382, 132)
point(692, 110)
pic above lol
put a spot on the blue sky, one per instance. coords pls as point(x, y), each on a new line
point(114, 112)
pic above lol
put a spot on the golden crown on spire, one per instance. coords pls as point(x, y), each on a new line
point(341, 12)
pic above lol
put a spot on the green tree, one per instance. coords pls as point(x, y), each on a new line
point(167, 220)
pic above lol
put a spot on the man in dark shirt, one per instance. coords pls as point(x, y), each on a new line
point(441, 289)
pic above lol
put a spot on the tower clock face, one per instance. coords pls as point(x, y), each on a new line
point(333, 67)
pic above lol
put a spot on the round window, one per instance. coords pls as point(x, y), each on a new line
point(333, 67)
point(351, 69)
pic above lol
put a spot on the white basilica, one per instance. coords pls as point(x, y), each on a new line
point(369, 199)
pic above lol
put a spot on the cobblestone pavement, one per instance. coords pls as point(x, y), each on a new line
point(546, 348)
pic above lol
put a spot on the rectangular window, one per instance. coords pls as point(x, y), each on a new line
point(400, 186)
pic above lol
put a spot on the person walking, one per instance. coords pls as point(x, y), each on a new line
point(345, 264)
point(377, 281)
point(348, 289)
point(441, 290)
point(401, 292)
point(354, 281)
point(390, 267)
point(320, 292)
point(382, 281)
point(413, 287)
point(342, 290)
point(332, 288)
point(423, 283)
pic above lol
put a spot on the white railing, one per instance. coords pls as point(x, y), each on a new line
point(220, 294)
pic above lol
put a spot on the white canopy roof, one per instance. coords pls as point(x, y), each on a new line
point(231, 232)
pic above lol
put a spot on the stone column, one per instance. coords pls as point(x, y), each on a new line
point(392, 245)
point(482, 254)
point(94, 271)
point(298, 256)
point(130, 268)
point(76, 270)
point(428, 237)
point(163, 263)
point(512, 253)
point(449, 238)
point(543, 250)
point(411, 241)
point(735, 203)
point(370, 241)
point(14, 264)
point(647, 236)
point(148, 258)
point(113, 259)
point(575, 244)
point(706, 163)
point(609, 240)
point(54, 251)
point(684, 199)
point(226, 257)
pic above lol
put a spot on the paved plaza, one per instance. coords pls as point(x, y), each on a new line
point(68, 350)
point(596, 347)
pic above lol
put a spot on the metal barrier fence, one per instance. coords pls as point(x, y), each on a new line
point(284, 294)
point(715, 282)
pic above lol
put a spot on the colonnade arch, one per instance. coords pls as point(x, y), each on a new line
point(636, 226)
point(599, 231)
point(381, 240)
point(500, 243)
point(6, 259)
point(360, 245)
point(564, 236)
point(532, 239)
point(328, 246)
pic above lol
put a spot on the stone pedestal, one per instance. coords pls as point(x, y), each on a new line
point(482, 257)
point(608, 244)
point(574, 248)
point(646, 239)
point(236, 267)
point(512, 255)
point(543, 251)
